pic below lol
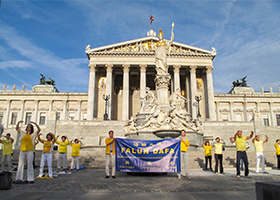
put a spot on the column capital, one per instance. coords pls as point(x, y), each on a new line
point(245, 103)
point(22, 101)
point(209, 68)
point(217, 103)
point(193, 68)
point(8, 101)
point(50, 101)
point(36, 101)
point(92, 67)
point(79, 101)
point(176, 68)
point(65, 101)
point(126, 67)
point(143, 67)
point(271, 103)
point(109, 67)
point(231, 103)
point(257, 103)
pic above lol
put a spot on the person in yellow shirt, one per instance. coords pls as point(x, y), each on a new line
point(208, 154)
point(47, 153)
point(219, 154)
point(110, 155)
point(184, 155)
point(27, 144)
point(75, 153)
point(7, 151)
point(277, 147)
point(62, 152)
point(259, 152)
point(241, 152)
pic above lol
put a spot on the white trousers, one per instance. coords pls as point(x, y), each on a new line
point(260, 158)
point(184, 158)
point(49, 158)
point(28, 156)
point(62, 156)
point(77, 162)
point(9, 161)
point(110, 158)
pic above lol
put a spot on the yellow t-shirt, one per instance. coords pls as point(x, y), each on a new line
point(7, 147)
point(75, 149)
point(258, 146)
point(185, 144)
point(207, 149)
point(47, 145)
point(218, 148)
point(240, 143)
point(26, 143)
point(63, 146)
point(277, 148)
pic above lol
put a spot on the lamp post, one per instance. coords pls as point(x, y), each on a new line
point(198, 99)
point(106, 98)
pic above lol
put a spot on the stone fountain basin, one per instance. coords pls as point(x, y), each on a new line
point(167, 133)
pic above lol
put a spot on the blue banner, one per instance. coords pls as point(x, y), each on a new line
point(148, 155)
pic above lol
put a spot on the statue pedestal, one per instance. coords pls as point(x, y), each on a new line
point(162, 85)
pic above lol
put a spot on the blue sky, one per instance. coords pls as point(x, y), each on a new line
point(50, 37)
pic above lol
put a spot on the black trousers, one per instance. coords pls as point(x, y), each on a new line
point(219, 159)
point(210, 162)
point(242, 155)
point(278, 161)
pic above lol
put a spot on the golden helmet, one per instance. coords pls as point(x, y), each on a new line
point(160, 33)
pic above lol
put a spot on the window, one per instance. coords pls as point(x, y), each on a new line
point(85, 116)
point(71, 116)
point(225, 117)
point(278, 120)
point(1, 118)
point(58, 116)
point(14, 118)
point(265, 120)
point(42, 120)
point(28, 117)
point(238, 117)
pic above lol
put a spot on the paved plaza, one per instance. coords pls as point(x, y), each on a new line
point(91, 184)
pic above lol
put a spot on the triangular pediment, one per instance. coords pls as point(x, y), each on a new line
point(147, 45)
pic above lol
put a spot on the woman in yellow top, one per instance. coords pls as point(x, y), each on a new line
point(47, 153)
point(27, 144)
point(277, 146)
point(75, 153)
point(208, 154)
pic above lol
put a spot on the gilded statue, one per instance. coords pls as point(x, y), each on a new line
point(161, 50)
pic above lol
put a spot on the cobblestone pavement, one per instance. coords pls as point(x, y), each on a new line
point(92, 181)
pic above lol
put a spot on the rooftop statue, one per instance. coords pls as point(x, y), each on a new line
point(43, 81)
point(161, 50)
point(240, 82)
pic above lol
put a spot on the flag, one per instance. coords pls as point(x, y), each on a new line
point(151, 19)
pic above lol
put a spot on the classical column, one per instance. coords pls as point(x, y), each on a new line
point(79, 109)
point(193, 90)
point(210, 93)
point(231, 110)
point(8, 113)
point(187, 95)
point(50, 107)
point(218, 110)
point(91, 91)
point(125, 110)
point(65, 110)
point(177, 77)
point(271, 114)
point(143, 80)
point(245, 111)
point(22, 110)
point(36, 111)
point(258, 106)
point(109, 82)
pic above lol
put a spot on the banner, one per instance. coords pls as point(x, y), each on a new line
point(148, 155)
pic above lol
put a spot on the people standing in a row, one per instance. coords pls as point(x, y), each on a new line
point(241, 152)
point(208, 154)
point(259, 153)
point(27, 144)
point(62, 152)
point(184, 155)
point(76, 145)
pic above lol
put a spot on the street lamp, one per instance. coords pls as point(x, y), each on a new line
point(198, 99)
point(106, 98)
